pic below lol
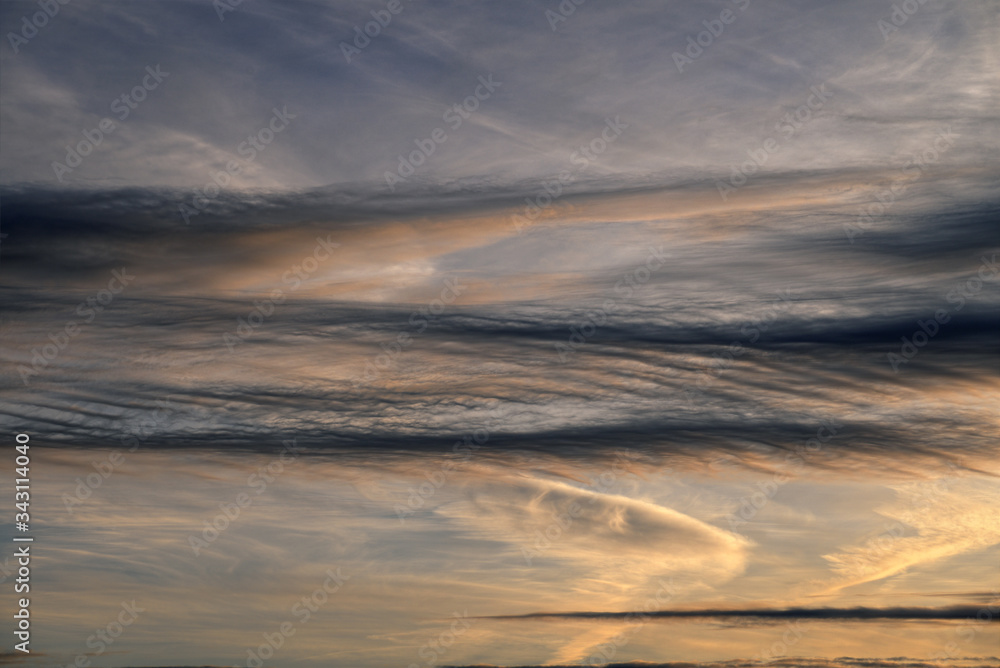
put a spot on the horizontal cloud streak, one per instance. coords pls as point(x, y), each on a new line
point(956, 612)
point(796, 662)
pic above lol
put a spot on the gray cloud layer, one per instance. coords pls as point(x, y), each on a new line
point(662, 365)
point(853, 614)
point(702, 267)
point(354, 119)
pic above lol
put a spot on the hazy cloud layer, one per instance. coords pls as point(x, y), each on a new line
point(642, 323)
point(353, 119)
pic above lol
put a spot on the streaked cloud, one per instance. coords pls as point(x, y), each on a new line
point(500, 403)
point(855, 614)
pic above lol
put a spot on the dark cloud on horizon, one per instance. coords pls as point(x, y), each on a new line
point(782, 662)
point(949, 613)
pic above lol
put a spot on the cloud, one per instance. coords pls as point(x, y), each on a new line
point(596, 531)
point(933, 521)
point(760, 341)
point(18, 658)
point(558, 88)
point(956, 612)
point(745, 316)
point(793, 662)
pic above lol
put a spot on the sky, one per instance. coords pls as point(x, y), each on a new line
point(420, 333)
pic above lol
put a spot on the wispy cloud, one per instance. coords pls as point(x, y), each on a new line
point(277, 290)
